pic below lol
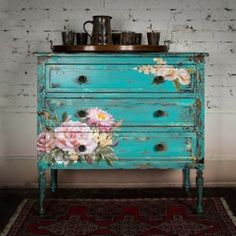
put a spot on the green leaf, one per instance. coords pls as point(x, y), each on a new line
point(112, 157)
point(98, 157)
point(108, 154)
point(106, 150)
point(66, 153)
point(56, 152)
point(64, 116)
point(55, 118)
point(177, 84)
point(46, 115)
point(108, 160)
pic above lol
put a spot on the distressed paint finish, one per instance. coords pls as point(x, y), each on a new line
point(161, 126)
point(121, 165)
point(117, 78)
point(159, 112)
point(144, 146)
point(191, 25)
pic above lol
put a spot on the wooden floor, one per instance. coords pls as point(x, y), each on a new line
point(10, 198)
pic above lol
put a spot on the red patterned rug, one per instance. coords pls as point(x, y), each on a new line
point(78, 217)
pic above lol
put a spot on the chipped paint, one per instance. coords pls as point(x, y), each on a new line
point(198, 58)
point(145, 166)
point(212, 34)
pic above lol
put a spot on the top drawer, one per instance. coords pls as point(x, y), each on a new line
point(157, 78)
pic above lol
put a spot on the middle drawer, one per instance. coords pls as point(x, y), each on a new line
point(127, 111)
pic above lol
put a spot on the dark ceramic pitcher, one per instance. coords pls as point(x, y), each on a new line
point(101, 32)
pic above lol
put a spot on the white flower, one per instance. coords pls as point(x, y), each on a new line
point(183, 77)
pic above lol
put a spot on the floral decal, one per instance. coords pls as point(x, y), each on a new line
point(89, 139)
point(167, 72)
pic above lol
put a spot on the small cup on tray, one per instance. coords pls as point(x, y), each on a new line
point(153, 38)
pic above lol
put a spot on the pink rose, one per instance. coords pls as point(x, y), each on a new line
point(75, 136)
point(45, 142)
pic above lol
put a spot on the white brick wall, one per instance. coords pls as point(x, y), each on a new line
point(27, 26)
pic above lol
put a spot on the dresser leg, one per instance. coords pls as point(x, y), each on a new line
point(53, 180)
point(186, 178)
point(42, 188)
point(199, 186)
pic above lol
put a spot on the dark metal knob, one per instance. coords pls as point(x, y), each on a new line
point(82, 113)
point(160, 147)
point(159, 113)
point(158, 80)
point(82, 148)
point(82, 79)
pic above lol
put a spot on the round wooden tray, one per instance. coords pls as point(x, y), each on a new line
point(109, 48)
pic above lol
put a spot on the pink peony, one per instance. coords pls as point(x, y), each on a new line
point(75, 136)
point(45, 142)
point(101, 119)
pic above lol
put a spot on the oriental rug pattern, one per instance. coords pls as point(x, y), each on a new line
point(128, 217)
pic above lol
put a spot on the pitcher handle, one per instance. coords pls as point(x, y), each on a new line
point(51, 44)
point(89, 21)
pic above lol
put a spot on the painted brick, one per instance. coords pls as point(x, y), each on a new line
point(27, 26)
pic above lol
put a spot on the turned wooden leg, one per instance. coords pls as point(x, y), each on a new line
point(42, 189)
point(186, 179)
point(199, 186)
point(53, 180)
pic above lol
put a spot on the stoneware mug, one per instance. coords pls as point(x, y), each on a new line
point(81, 38)
point(128, 38)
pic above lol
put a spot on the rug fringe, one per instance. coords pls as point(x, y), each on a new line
point(13, 218)
point(229, 212)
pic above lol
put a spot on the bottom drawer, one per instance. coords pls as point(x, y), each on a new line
point(93, 147)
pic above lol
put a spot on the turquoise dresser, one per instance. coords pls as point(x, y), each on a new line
point(121, 111)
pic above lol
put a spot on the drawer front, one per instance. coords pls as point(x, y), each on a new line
point(155, 146)
point(93, 147)
point(130, 112)
point(120, 78)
